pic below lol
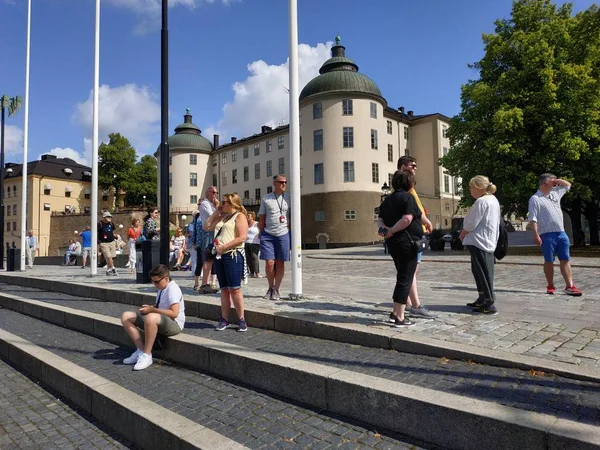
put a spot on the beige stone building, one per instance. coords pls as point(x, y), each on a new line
point(55, 186)
point(350, 144)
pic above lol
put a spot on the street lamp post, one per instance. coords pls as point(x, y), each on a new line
point(144, 197)
point(12, 104)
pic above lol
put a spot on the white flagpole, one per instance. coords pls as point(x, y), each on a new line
point(24, 215)
point(94, 206)
point(295, 154)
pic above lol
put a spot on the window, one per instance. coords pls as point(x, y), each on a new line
point(257, 171)
point(269, 168)
point(280, 143)
point(348, 137)
point(7, 226)
point(87, 210)
point(390, 177)
point(8, 210)
point(246, 194)
point(214, 183)
point(444, 131)
point(390, 153)
point(46, 191)
point(234, 176)
point(87, 196)
point(170, 181)
point(245, 152)
point(214, 158)
point(170, 199)
point(224, 178)
point(15, 191)
point(8, 191)
point(257, 193)
point(373, 110)
point(318, 140)
point(406, 133)
point(319, 178)
point(347, 107)
point(67, 193)
point(317, 110)
point(446, 183)
point(193, 179)
point(348, 171)
point(256, 149)
point(193, 199)
point(193, 160)
point(375, 172)
point(350, 214)
point(246, 170)
point(444, 151)
point(269, 189)
point(268, 146)
point(281, 165)
point(319, 216)
point(447, 207)
point(105, 196)
point(389, 127)
point(233, 155)
point(170, 159)
point(374, 139)
point(223, 158)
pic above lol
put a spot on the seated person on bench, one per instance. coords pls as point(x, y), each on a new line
point(73, 252)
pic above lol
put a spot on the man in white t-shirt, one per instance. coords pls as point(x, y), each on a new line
point(166, 317)
point(274, 226)
point(207, 208)
point(546, 219)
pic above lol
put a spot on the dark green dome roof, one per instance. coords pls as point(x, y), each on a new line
point(340, 74)
point(188, 136)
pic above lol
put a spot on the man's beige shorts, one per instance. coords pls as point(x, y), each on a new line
point(109, 249)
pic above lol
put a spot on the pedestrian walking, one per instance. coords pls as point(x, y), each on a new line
point(252, 246)
point(33, 247)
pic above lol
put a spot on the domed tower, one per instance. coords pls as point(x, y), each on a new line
point(344, 152)
point(189, 164)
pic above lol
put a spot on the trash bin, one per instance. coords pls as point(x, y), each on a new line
point(13, 259)
point(147, 257)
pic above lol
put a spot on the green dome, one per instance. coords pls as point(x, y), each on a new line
point(340, 74)
point(188, 137)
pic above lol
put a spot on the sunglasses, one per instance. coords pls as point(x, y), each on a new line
point(281, 182)
point(158, 281)
point(226, 202)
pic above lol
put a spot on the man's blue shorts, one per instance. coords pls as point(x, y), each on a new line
point(555, 243)
point(275, 248)
point(229, 269)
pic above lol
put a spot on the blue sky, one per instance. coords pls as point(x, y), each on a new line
point(227, 62)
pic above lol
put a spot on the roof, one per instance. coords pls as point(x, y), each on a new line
point(266, 132)
point(340, 74)
point(51, 167)
point(188, 136)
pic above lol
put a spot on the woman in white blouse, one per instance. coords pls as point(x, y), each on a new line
point(480, 234)
point(253, 246)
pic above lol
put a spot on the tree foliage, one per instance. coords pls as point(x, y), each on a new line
point(143, 181)
point(536, 105)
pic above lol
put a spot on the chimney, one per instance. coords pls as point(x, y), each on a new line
point(265, 128)
point(401, 109)
point(410, 113)
point(233, 140)
point(215, 142)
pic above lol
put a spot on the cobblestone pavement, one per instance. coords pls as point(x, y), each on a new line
point(33, 418)
point(358, 290)
point(252, 418)
point(553, 395)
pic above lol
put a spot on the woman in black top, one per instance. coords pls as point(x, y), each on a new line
point(400, 218)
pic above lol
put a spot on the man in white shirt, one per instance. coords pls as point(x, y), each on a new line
point(546, 220)
point(32, 248)
point(274, 226)
point(207, 208)
point(166, 318)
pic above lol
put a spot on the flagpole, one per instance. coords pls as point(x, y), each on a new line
point(296, 233)
point(24, 214)
point(94, 205)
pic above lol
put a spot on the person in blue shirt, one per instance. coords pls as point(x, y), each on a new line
point(86, 244)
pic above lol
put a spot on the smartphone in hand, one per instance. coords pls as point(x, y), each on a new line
point(383, 231)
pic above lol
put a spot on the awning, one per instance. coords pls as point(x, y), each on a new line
point(47, 187)
point(68, 189)
point(88, 191)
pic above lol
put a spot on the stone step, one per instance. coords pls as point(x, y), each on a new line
point(169, 406)
point(365, 384)
point(208, 307)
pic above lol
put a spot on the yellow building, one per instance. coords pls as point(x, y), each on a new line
point(54, 186)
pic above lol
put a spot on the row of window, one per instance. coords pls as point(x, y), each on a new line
point(246, 152)
point(319, 173)
point(347, 109)
point(257, 175)
point(349, 214)
point(13, 210)
point(8, 190)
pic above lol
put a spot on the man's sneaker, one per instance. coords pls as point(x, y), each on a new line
point(114, 272)
point(222, 325)
point(402, 323)
point(143, 361)
point(422, 312)
point(242, 325)
point(109, 272)
point(392, 318)
point(487, 310)
point(275, 294)
point(206, 289)
point(133, 358)
point(268, 295)
point(476, 304)
point(573, 291)
point(550, 289)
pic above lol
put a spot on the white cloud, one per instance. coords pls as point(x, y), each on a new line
point(262, 99)
point(13, 139)
point(130, 110)
point(68, 152)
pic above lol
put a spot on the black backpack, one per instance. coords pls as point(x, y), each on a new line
point(502, 244)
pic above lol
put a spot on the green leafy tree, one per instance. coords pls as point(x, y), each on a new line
point(535, 107)
point(116, 161)
point(143, 181)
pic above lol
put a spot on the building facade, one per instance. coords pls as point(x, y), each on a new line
point(350, 144)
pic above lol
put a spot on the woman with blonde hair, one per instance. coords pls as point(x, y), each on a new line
point(480, 234)
point(230, 224)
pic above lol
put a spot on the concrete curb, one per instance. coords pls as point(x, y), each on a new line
point(132, 416)
point(348, 333)
point(441, 418)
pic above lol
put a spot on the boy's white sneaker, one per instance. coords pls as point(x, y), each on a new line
point(144, 361)
point(133, 358)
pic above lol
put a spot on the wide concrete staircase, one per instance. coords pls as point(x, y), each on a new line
point(287, 388)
